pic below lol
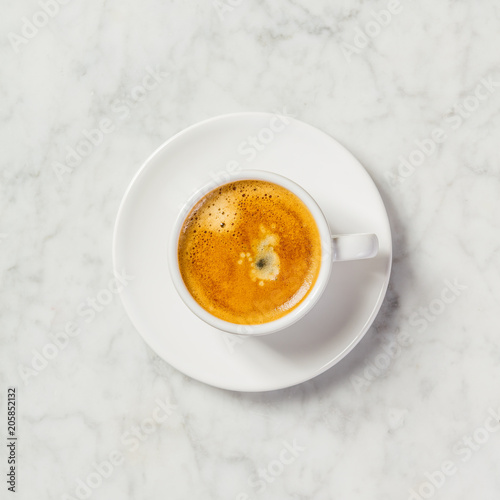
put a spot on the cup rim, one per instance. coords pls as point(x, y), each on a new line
point(307, 303)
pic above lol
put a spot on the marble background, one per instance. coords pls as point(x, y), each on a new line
point(416, 100)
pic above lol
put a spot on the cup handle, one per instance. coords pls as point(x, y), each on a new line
point(354, 246)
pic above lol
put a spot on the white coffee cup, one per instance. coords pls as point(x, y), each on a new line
point(334, 248)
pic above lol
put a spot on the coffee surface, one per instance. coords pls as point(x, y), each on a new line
point(249, 252)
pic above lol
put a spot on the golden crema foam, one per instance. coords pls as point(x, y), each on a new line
point(249, 252)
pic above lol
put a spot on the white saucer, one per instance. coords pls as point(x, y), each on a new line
point(350, 202)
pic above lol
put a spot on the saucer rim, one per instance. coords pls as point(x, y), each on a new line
point(321, 369)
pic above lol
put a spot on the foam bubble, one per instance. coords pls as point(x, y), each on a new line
point(266, 262)
point(221, 215)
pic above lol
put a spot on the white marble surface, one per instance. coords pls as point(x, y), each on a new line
point(357, 431)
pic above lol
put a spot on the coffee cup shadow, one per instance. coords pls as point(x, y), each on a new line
point(328, 325)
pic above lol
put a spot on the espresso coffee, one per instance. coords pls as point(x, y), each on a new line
point(249, 252)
